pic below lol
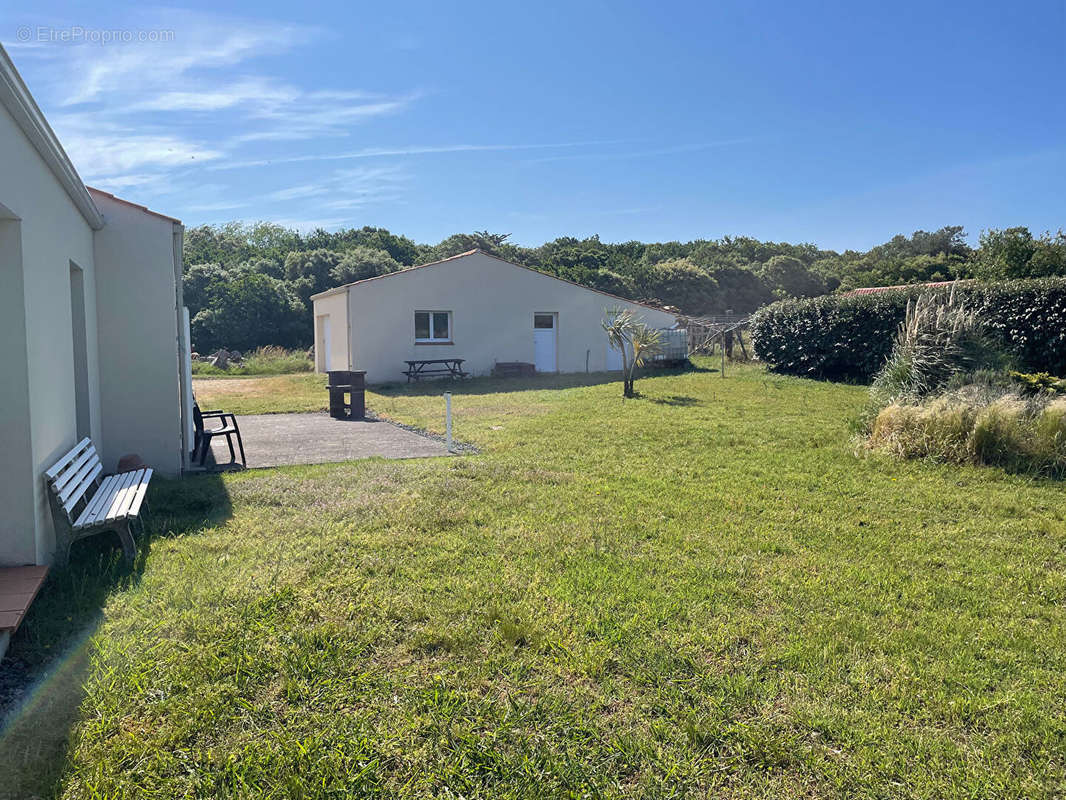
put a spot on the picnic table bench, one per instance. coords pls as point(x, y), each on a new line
point(84, 503)
point(429, 367)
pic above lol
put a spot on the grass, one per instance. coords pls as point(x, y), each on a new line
point(268, 360)
point(262, 395)
point(700, 592)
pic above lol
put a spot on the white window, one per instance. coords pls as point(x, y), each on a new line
point(433, 326)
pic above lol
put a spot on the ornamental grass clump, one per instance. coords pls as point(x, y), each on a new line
point(1025, 435)
point(938, 339)
point(941, 431)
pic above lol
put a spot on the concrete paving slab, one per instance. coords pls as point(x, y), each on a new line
point(272, 440)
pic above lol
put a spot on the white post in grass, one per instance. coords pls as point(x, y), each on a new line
point(448, 420)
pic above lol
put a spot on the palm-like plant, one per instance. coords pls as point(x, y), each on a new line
point(628, 334)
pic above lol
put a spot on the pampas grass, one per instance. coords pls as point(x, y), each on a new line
point(937, 340)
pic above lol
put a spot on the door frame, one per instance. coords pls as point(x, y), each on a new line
point(555, 338)
point(324, 334)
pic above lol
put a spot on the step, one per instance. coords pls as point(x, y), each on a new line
point(18, 587)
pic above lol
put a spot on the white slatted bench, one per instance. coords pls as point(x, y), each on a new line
point(84, 503)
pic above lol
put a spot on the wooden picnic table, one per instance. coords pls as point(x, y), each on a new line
point(429, 367)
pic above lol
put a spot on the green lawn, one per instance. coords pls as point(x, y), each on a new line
point(262, 395)
point(702, 592)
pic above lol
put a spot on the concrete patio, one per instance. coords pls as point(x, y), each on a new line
point(272, 440)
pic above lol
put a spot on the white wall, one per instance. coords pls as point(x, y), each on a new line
point(18, 523)
point(334, 306)
point(492, 304)
point(139, 325)
point(52, 234)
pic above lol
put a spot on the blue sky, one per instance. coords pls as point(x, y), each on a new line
point(836, 123)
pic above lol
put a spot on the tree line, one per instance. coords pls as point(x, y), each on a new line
point(248, 285)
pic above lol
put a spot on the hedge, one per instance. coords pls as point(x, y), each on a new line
point(847, 337)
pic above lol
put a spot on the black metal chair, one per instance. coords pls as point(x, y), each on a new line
point(204, 435)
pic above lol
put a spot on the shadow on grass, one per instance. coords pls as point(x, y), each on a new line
point(679, 400)
point(43, 676)
point(562, 380)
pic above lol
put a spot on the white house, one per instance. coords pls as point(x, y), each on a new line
point(472, 306)
point(93, 338)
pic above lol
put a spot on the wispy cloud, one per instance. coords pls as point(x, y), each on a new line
point(207, 97)
point(161, 119)
point(310, 116)
point(116, 151)
point(133, 114)
point(648, 153)
point(412, 150)
point(210, 208)
point(206, 42)
point(347, 189)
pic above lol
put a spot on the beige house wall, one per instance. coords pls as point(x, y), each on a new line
point(492, 304)
point(138, 281)
point(126, 267)
point(42, 424)
point(335, 308)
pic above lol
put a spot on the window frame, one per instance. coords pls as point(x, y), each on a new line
point(432, 327)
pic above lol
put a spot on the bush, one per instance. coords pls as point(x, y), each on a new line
point(1035, 383)
point(1008, 431)
point(849, 337)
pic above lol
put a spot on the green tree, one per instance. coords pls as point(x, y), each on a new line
point(682, 284)
point(494, 243)
point(788, 276)
point(195, 284)
point(613, 283)
point(250, 311)
point(310, 273)
point(739, 290)
point(1016, 253)
point(360, 263)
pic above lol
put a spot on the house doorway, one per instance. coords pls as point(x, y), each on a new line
point(544, 341)
point(81, 349)
point(324, 340)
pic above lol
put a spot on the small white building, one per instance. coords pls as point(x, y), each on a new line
point(472, 306)
point(93, 337)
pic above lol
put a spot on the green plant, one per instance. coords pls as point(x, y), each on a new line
point(634, 340)
point(1033, 383)
point(938, 339)
point(849, 336)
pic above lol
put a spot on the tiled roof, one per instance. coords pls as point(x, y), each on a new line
point(879, 289)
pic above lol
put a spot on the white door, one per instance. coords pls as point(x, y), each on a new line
point(324, 342)
point(544, 327)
